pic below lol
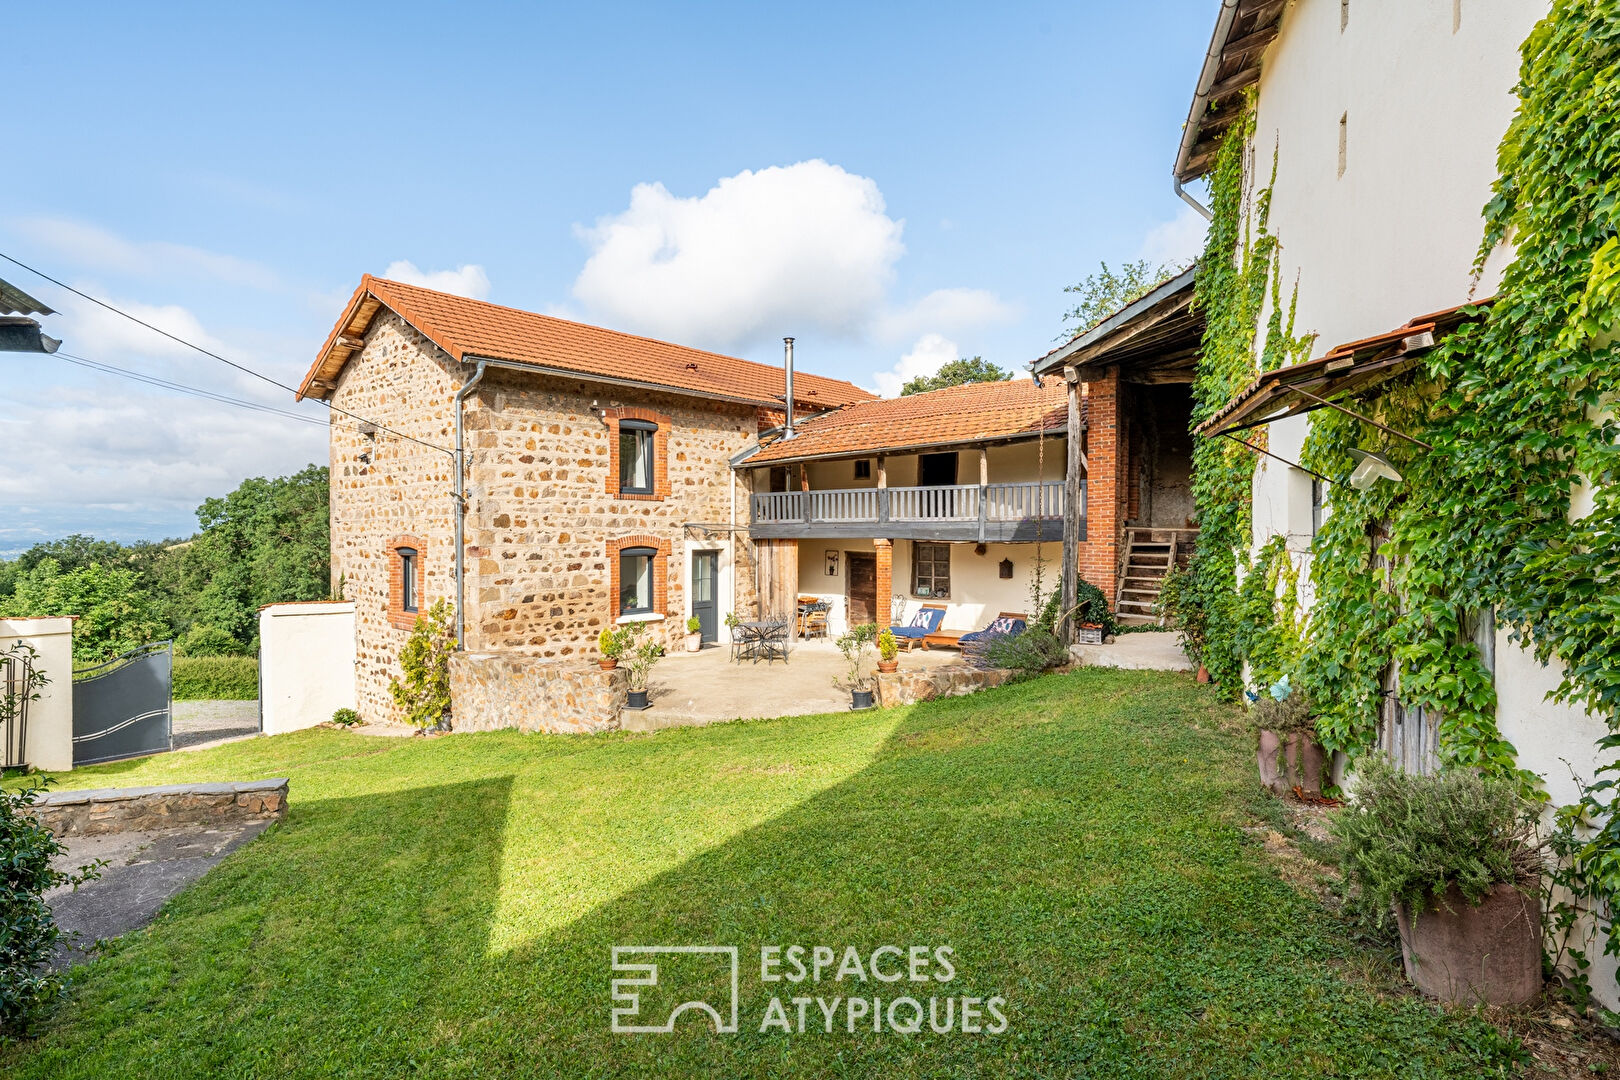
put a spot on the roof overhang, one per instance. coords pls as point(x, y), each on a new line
point(1153, 339)
point(1243, 29)
point(1353, 368)
point(13, 301)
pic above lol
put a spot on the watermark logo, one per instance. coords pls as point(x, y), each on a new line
point(891, 988)
point(628, 992)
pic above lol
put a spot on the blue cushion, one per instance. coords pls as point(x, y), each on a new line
point(910, 631)
point(925, 622)
point(1001, 626)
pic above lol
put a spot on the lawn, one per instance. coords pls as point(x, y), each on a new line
point(448, 907)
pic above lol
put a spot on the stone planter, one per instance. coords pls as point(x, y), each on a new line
point(1468, 955)
point(694, 642)
point(606, 664)
point(860, 699)
point(888, 667)
point(1290, 761)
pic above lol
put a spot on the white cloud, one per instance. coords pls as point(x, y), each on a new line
point(944, 311)
point(928, 355)
point(467, 280)
point(98, 249)
point(1176, 242)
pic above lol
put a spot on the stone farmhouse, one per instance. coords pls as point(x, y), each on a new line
point(597, 478)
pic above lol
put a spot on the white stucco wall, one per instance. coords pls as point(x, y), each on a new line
point(50, 719)
point(978, 593)
point(306, 664)
point(1012, 463)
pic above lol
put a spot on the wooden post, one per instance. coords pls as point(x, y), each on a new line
point(883, 489)
point(1073, 473)
point(984, 466)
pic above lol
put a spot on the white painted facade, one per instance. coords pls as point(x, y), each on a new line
point(50, 719)
point(306, 664)
point(1421, 91)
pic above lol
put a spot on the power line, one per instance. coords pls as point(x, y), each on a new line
point(215, 356)
point(182, 388)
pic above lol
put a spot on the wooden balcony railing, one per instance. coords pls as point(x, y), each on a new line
point(981, 512)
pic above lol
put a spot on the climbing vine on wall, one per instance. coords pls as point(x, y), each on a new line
point(1235, 277)
point(1516, 507)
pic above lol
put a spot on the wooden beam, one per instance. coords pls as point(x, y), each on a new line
point(350, 342)
point(1227, 87)
point(1250, 42)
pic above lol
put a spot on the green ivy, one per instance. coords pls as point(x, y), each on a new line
point(1235, 277)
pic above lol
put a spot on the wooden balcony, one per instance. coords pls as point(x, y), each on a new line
point(982, 513)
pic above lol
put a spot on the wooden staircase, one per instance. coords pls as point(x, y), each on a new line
point(1149, 554)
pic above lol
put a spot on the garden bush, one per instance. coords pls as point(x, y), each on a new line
point(1032, 652)
point(28, 933)
point(216, 678)
point(1406, 839)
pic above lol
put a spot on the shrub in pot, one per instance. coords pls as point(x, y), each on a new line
point(639, 658)
point(612, 643)
point(694, 634)
point(1287, 751)
point(856, 645)
point(888, 652)
point(1450, 857)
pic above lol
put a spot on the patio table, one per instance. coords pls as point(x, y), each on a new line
point(763, 638)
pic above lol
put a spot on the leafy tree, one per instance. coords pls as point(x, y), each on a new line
point(1105, 292)
point(264, 543)
point(956, 373)
point(114, 613)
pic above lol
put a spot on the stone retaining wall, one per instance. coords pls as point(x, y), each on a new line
point(489, 691)
point(907, 687)
point(110, 810)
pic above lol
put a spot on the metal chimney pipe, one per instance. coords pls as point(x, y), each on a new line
point(787, 361)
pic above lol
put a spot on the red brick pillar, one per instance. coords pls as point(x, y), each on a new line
point(1106, 484)
point(885, 581)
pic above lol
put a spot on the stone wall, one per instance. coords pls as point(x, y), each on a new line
point(541, 510)
point(383, 487)
point(545, 511)
point(110, 810)
point(911, 685)
point(491, 691)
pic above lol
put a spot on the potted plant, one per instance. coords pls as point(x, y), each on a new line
point(888, 653)
point(1287, 752)
point(1450, 857)
point(856, 645)
point(611, 643)
point(694, 634)
point(639, 659)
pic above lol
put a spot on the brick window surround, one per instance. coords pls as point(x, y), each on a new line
point(660, 570)
point(660, 485)
point(398, 617)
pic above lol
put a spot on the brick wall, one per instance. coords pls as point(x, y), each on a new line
point(1106, 485)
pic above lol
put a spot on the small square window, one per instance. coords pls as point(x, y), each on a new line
point(636, 457)
point(863, 469)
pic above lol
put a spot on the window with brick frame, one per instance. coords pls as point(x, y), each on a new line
point(407, 579)
point(638, 570)
point(638, 445)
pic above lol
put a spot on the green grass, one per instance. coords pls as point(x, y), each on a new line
point(447, 907)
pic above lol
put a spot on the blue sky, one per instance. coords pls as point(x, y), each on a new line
point(892, 184)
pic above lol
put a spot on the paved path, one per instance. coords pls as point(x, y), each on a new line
point(198, 723)
point(1152, 650)
point(144, 869)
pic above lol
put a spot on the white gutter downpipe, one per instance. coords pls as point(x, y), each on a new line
point(1206, 79)
point(787, 363)
point(460, 510)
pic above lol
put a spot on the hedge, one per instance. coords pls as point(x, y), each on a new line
point(216, 678)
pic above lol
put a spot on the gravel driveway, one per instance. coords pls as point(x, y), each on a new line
point(198, 722)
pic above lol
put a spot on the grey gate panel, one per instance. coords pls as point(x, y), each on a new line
point(121, 708)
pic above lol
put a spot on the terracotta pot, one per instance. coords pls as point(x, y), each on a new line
point(606, 664)
point(1203, 673)
point(1291, 761)
point(888, 667)
point(1467, 955)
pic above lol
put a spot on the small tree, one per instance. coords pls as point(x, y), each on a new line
point(1105, 292)
point(640, 657)
point(424, 692)
point(856, 645)
point(956, 373)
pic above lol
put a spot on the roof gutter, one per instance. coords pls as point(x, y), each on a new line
point(1206, 79)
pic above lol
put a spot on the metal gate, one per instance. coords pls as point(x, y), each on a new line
point(121, 708)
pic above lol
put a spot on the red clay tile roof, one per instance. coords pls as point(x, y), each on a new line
point(463, 327)
point(976, 412)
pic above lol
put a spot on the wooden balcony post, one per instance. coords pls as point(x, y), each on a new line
point(1073, 471)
